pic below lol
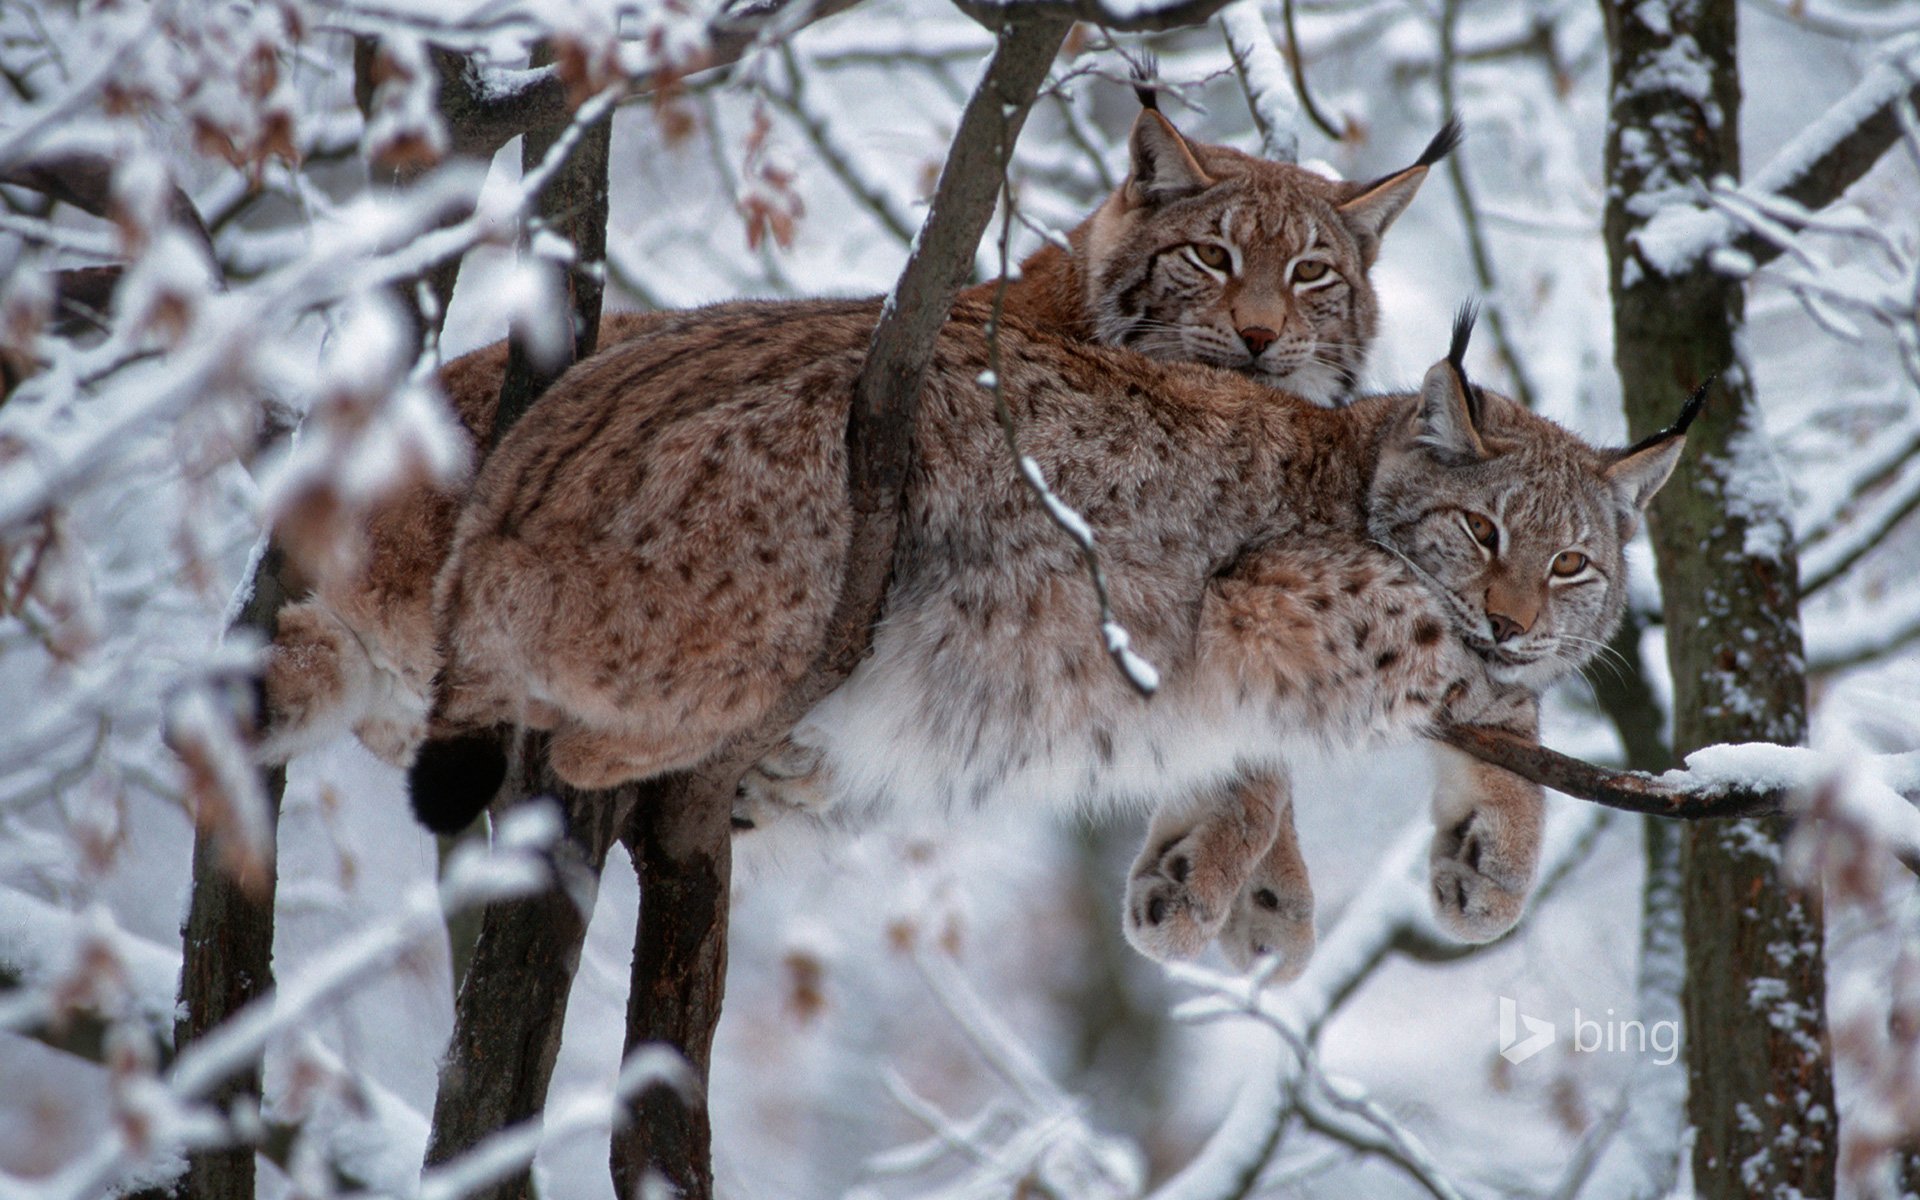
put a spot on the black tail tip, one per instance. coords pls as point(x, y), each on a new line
point(454, 779)
point(1444, 143)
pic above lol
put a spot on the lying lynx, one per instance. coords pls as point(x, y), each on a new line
point(648, 562)
point(1204, 254)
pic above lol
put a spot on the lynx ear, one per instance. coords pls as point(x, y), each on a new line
point(1368, 214)
point(1638, 472)
point(1164, 169)
point(1446, 421)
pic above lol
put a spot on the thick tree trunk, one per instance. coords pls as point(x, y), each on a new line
point(681, 842)
point(1759, 1065)
point(680, 837)
point(508, 1019)
point(512, 995)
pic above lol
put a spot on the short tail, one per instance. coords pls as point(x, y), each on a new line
point(454, 778)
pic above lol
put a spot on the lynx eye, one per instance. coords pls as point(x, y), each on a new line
point(1484, 531)
point(1568, 563)
point(1211, 255)
point(1311, 271)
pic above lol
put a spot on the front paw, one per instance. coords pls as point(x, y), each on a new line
point(791, 780)
point(1274, 918)
point(1167, 916)
point(1479, 892)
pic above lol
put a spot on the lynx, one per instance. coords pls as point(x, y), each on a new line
point(1204, 254)
point(647, 563)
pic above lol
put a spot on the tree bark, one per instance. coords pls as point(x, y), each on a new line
point(573, 204)
point(512, 997)
point(512, 1002)
point(681, 828)
point(227, 945)
point(1759, 1064)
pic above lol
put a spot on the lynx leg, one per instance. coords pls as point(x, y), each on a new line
point(1273, 914)
point(317, 682)
point(791, 779)
point(1197, 857)
point(1486, 846)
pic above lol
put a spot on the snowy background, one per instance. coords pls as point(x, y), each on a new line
point(874, 980)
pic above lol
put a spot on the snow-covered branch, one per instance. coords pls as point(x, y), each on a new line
point(1813, 170)
point(1263, 73)
point(1755, 779)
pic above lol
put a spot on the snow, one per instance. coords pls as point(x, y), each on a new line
point(150, 538)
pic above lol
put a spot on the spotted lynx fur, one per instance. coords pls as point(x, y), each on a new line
point(648, 561)
point(357, 653)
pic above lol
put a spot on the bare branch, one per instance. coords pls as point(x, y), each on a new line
point(1631, 791)
point(1482, 257)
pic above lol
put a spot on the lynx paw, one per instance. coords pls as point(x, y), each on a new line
point(791, 779)
point(1270, 917)
point(1478, 893)
point(1167, 915)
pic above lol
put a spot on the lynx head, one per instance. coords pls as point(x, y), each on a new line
point(1209, 255)
point(1517, 525)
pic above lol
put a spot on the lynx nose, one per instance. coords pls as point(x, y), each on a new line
point(1258, 337)
point(1505, 628)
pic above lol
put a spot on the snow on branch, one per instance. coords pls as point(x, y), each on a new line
point(1335, 1107)
point(1263, 73)
point(1812, 171)
point(1389, 911)
point(165, 1112)
point(1748, 780)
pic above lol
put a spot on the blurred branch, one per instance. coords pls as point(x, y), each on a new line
point(868, 191)
point(86, 182)
point(1297, 59)
point(1824, 560)
point(1854, 639)
point(487, 109)
point(1482, 257)
point(573, 205)
point(1336, 1109)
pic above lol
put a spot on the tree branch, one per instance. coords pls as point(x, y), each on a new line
point(679, 832)
point(1776, 787)
point(1630, 791)
point(484, 115)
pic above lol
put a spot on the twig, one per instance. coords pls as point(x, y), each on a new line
point(1481, 256)
point(870, 194)
point(1140, 674)
point(1298, 61)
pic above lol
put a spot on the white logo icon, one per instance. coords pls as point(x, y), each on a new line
point(1539, 1033)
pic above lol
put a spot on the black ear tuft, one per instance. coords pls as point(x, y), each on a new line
point(1146, 70)
point(1693, 407)
point(1444, 143)
point(454, 779)
point(1457, 356)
